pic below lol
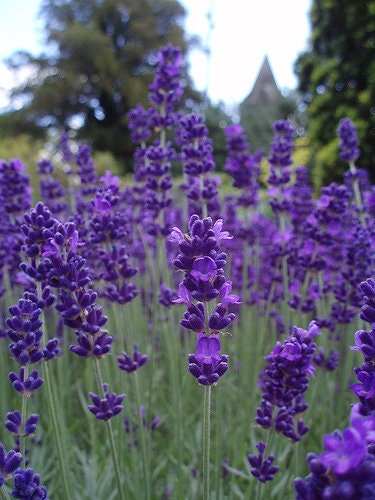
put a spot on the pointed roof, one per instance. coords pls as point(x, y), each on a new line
point(265, 88)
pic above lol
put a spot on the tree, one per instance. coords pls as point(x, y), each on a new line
point(337, 79)
point(98, 63)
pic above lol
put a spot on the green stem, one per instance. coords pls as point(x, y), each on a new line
point(111, 439)
point(206, 441)
point(4, 495)
point(23, 418)
point(57, 430)
point(357, 192)
point(145, 453)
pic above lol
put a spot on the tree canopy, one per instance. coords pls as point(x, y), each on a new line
point(337, 79)
point(98, 63)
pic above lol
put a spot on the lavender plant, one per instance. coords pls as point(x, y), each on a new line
point(97, 303)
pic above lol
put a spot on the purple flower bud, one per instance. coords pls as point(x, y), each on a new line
point(10, 461)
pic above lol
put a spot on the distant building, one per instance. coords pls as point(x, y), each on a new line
point(264, 105)
point(265, 88)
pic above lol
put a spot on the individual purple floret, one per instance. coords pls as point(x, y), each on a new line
point(14, 423)
point(27, 485)
point(131, 364)
point(108, 406)
point(262, 468)
point(25, 386)
point(348, 136)
point(207, 364)
point(365, 342)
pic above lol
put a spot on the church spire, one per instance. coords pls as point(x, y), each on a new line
point(265, 88)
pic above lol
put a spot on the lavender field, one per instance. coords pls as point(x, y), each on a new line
point(170, 338)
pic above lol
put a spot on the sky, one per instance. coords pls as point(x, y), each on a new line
point(238, 33)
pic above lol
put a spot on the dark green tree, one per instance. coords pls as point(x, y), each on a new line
point(337, 79)
point(98, 63)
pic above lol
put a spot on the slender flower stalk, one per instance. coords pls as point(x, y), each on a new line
point(202, 261)
point(206, 441)
point(111, 404)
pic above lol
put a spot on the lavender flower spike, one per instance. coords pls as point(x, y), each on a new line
point(348, 136)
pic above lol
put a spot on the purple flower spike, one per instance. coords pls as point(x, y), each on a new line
point(262, 468)
point(129, 364)
point(108, 406)
point(207, 364)
point(348, 136)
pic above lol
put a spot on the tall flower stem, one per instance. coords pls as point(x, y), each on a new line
point(206, 441)
point(4, 495)
point(23, 417)
point(57, 431)
point(111, 439)
point(145, 453)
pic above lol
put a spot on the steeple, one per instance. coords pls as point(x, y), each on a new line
point(262, 107)
point(265, 88)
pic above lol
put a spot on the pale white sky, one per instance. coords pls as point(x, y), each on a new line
point(243, 32)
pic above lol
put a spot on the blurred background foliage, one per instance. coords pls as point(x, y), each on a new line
point(99, 59)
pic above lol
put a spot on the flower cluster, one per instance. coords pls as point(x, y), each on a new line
point(202, 261)
point(262, 468)
point(346, 468)
point(106, 406)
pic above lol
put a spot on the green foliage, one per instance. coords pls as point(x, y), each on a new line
point(98, 64)
point(336, 78)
